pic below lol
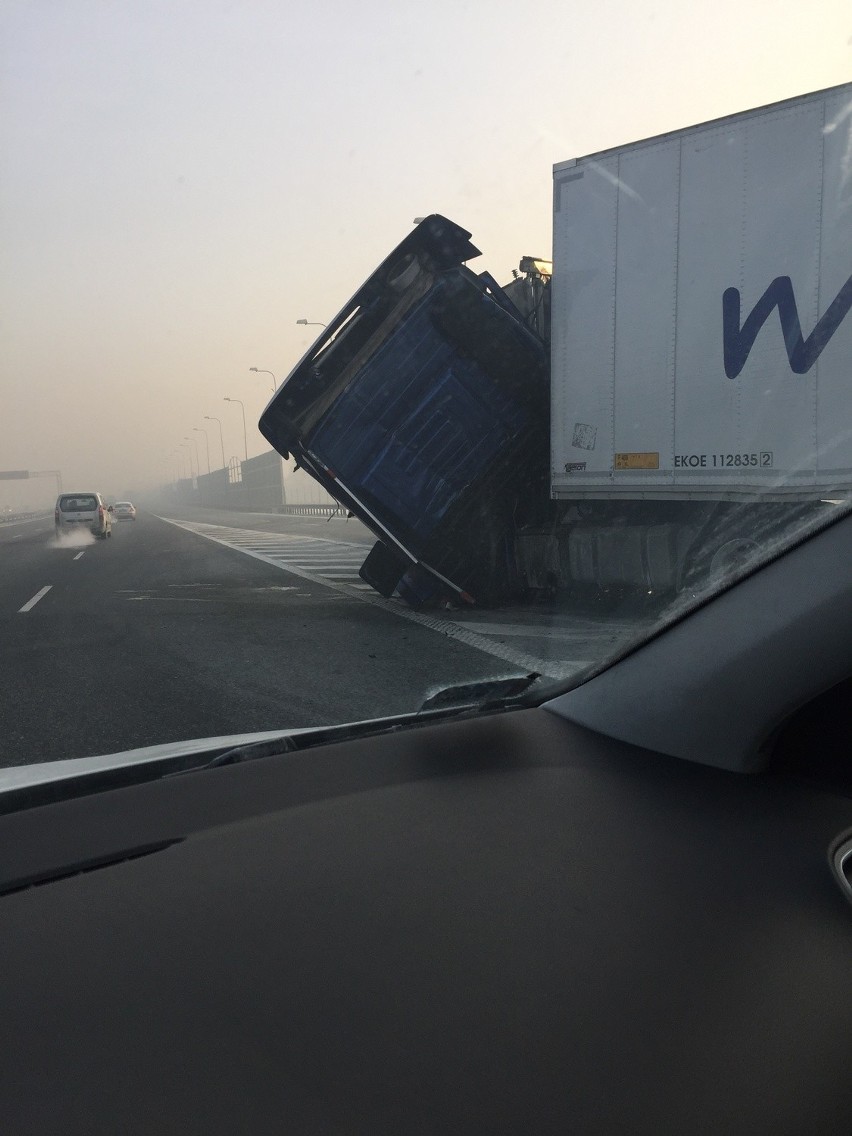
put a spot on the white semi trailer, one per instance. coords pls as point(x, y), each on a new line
point(701, 354)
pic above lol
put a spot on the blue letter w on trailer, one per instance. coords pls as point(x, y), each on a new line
point(738, 339)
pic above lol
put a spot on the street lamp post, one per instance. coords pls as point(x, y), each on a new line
point(201, 430)
point(311, 323)
point(212, 418)
point(261, 371)
point(245, 435)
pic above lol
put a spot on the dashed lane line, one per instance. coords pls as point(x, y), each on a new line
point(30, 604)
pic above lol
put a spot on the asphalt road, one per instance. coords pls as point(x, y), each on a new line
point(217, 623)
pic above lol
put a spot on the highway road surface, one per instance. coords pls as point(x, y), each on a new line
point(203, 623)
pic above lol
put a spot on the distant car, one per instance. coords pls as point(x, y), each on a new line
point(124, 510)
point(82, 510)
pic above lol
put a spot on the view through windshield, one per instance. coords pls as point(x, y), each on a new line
point(394, 349)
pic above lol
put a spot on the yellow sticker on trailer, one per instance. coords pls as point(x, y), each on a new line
point(637, 461)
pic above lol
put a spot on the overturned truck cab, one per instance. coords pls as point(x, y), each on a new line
point(423, 408)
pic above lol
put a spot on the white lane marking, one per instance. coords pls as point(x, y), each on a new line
point(30, 604)
point(79, 554)
point(220, 534)
point(317, 558)
point(328, 558)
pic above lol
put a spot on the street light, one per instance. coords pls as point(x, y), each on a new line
point(245, 436)
point(201, 430)
point(311, 323)
point(261, 371)
point(211, 418)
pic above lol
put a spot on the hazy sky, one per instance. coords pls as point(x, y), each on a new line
point(183, 179)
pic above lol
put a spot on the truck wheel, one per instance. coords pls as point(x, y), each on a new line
point(711, 568)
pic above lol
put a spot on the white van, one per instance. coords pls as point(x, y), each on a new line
point(82, 510)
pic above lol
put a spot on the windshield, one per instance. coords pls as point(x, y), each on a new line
point(433, 345)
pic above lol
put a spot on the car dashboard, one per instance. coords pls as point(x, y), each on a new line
point(508, 923)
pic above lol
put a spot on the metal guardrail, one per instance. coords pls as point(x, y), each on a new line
point(313, 510)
